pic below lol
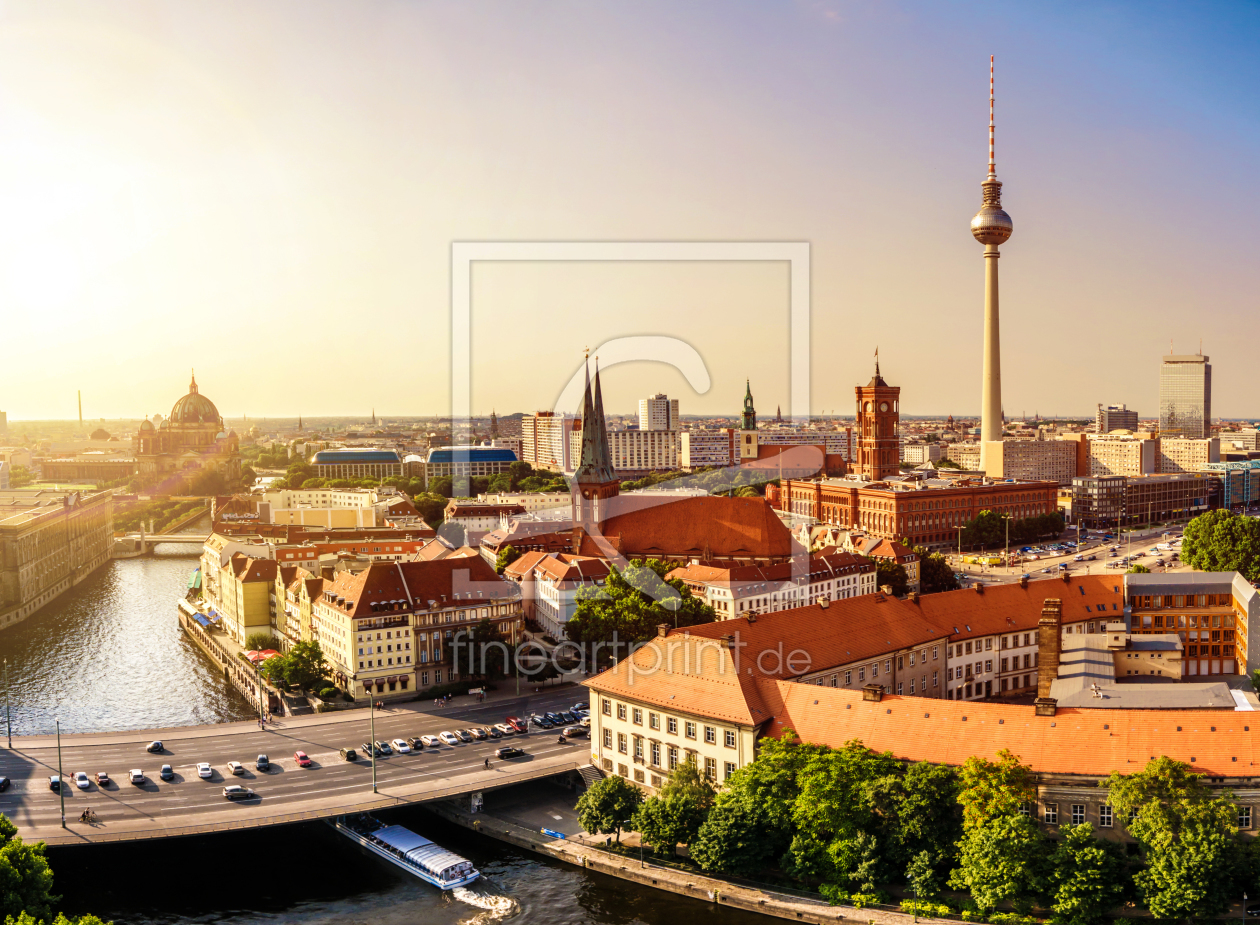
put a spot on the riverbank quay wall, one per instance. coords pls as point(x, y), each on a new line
point(239, 673)
point(50, 541)
point(695, 886)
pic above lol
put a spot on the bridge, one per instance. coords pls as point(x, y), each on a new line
point(189, 805)
point(137, 544)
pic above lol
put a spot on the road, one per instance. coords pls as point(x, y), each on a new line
point(189, 805)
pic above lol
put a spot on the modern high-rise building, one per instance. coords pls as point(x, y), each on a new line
point(1115, 417)
point(658, 412)
point(545, 440)
point(991, 226)
point(1185, 397)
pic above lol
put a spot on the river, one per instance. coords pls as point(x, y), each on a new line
point(110, 655)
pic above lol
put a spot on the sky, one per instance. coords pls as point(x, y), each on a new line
point(269, 192)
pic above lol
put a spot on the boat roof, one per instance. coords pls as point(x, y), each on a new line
point(419, 849)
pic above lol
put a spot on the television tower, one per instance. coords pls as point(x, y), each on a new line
point(991, 227)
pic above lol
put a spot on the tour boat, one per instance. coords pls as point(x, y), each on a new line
point(405, 849)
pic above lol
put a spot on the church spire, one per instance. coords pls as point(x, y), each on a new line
point(749, 420)
point(192, 387)
point(595, 465)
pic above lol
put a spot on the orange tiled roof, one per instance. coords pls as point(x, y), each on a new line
point(416, 583)
point(708, 527)
point(1003, 608)
point(690, 674)
point(1092, 742)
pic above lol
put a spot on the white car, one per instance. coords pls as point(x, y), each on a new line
point(431, 741)
point(204, 770)
point(504, 729)
point(449, 738)
point(236, 767)
point(81, 780)
point(136, 776)
point(401, 746)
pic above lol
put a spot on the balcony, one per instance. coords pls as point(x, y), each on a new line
point(379, 623)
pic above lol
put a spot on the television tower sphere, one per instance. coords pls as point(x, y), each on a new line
point(991, 224)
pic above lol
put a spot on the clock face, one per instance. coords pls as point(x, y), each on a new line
point(883, 406)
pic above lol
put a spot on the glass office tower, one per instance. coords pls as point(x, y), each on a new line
point(1185, 397)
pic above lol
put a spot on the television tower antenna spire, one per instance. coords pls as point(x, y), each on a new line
point(992, 162)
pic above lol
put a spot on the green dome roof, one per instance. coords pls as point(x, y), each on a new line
point(194, 408)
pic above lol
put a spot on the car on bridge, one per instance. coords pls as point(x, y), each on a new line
point(303, 760)
point(509, 751)
point(464, 735)
point(385, 749)
point(102, 779)
point(576, 732)
point(136, 776)
point(541, 721)
point(416, 743)
point(504, 729)
point(154, 746)
point(493, 732)
point(4, 783)
point(204, 771)
point(236, 767)
point(517, 724)
point(478, 733)
point(449, 738)
point(401, 746)
point(167, 772)
point(371, 750)
point(431, 741)
point(81, 780)
point(349, 754)
point(54, 783)
point(263, 763)
point(237, 792)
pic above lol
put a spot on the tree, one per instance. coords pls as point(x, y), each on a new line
point(999, 861)
point(26, 880)
point(1137, 569)
point(260, 641)
point(302, 666)
point(1085, 876)
point(488, 650)
point(431, 507)
point(507, 555)
point(1187, 835)
point(892, 573)
point(629, 607)
point(918, 809)
point(21, 476)
point(608, 806)
point(500, 483)
point(988, 789)
point(935, 572)
point(751, 823)
point(25, 918)
point(248, 476)
point(677, 811)
point(1222, 541)
point(454, 533)
point(946, 463)
point(921, 876)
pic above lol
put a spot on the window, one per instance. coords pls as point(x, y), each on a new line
point(606, 707)
point(1104, 816)
point(1025, 809)
point(638, 748)
point(655, 752)
point(1005, 664)
point(710, 768)
point(988, 664)
point(710, 735)
point(727, 770)
point(689, 730)
point(673, 757)
point(607, 738)
point(636, 716)
point(671, 725)
point(730, 738)
point(1244, 817)
point(848, 678)
point(654, 721)
point(622, 742)
point(621, 711)
point(934, 648)
point(934, 684)
point(899, 688)
point(1078, 813)
point(1052, 814)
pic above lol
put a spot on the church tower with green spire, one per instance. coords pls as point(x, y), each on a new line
point(749, 421)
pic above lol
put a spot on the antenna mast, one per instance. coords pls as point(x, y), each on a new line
point(992, 163)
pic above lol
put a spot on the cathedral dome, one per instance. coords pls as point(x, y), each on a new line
point(146, 424)
point(194, 408)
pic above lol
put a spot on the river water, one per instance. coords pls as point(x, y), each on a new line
point(110, 655)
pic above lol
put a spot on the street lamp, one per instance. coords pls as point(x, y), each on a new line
point(372, 740)
point(8, 712)
point(61, 779)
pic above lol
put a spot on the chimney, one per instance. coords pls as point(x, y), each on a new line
point(886, 589)
point(979, 586)
point(914, 597)
point(662, 629)
point(873, 692)
point(1049, 645)
point(824, 602)
point(1023, 581)
point(752, 617)
point(1045, 706)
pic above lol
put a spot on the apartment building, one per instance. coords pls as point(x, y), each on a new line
point(551, 584)
point(1122, 454)
point(1039, 460)
point(1115, 417)
point(658, 412)
point(1182, 454)
point(736, 591)
point(919, 453)
point(545, 440)
point(396, 628)
point(699, 449)
point(529, 501)
point(966, 455)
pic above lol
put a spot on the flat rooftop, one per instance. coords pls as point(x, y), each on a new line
point(1087, 680)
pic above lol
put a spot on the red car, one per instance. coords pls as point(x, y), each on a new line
point(517, 723)
point(302, 760)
